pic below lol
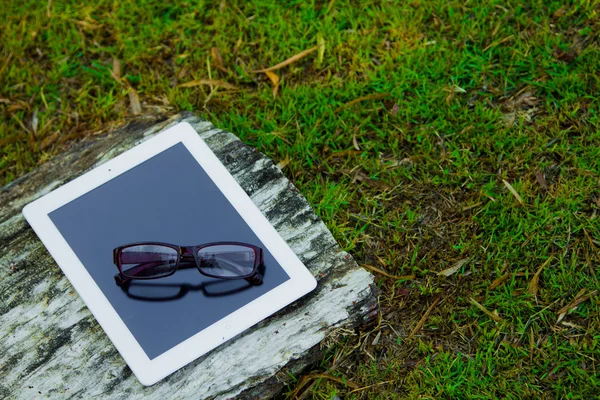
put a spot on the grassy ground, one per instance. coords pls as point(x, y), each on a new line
point(455, 136)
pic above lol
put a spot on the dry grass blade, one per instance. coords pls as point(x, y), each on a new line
point(579, 298)
point(370, 386)
point(218, 59)
point(21, 124)
point(421, 322)
point(533, 286)
point(490, 314)
point(355, 142)
point(531, 344)
point(49, 140)
point(494, 44)
point(572, 325)
point(12, 139)
point(454, 268)
point(289, 61)
point(342, 153)
point(283, 163)
point(373, 96)
point(6, 63)
point(587, 235)
point(499, 281)
point(134, 102)
point(375, 269)
point(513, 191)
point(210, 82)
point(311, 377)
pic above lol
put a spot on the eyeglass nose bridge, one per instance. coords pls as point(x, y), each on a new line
point(187, 251)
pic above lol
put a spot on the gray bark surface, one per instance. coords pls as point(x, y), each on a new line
point(52, 347)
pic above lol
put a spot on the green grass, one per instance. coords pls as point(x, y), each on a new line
point(477, 92)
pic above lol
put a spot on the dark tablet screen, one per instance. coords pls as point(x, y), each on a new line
point(168, 198)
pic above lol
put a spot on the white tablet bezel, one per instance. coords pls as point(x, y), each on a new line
point(149, 371)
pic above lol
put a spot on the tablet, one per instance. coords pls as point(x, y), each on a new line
point(170, 189)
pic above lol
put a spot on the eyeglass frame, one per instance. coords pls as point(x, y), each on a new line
point(255, 277)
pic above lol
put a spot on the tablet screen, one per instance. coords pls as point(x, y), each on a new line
point(168, 198)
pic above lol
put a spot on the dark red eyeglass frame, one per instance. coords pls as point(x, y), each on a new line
point(186, 253)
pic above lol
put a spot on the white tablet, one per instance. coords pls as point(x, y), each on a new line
point(168, 252)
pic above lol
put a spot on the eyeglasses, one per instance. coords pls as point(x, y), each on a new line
point(223, 260)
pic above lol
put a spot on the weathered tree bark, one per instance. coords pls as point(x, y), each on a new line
point(52, 347)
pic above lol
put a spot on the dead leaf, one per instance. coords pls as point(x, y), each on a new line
point(134, 102)
point(376, 340)
point(217, 59)
point(533, 286)
point(373, 96)
point(391, 106)
point(34, 121)
point(5, 101)
point(524, 99)
point(560, 12)
point(405, 162)
point(493, 316)
point(513, 191)
point(360, 176)
point(355, 143)
point(321, 46)
point(117, 70)
point(289, 61)
point(539, 175)
point(567, 57)
point(212, 82)
point(454, 268)
point(274, 78)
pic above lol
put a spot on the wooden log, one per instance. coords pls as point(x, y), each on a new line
point(52, 347)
